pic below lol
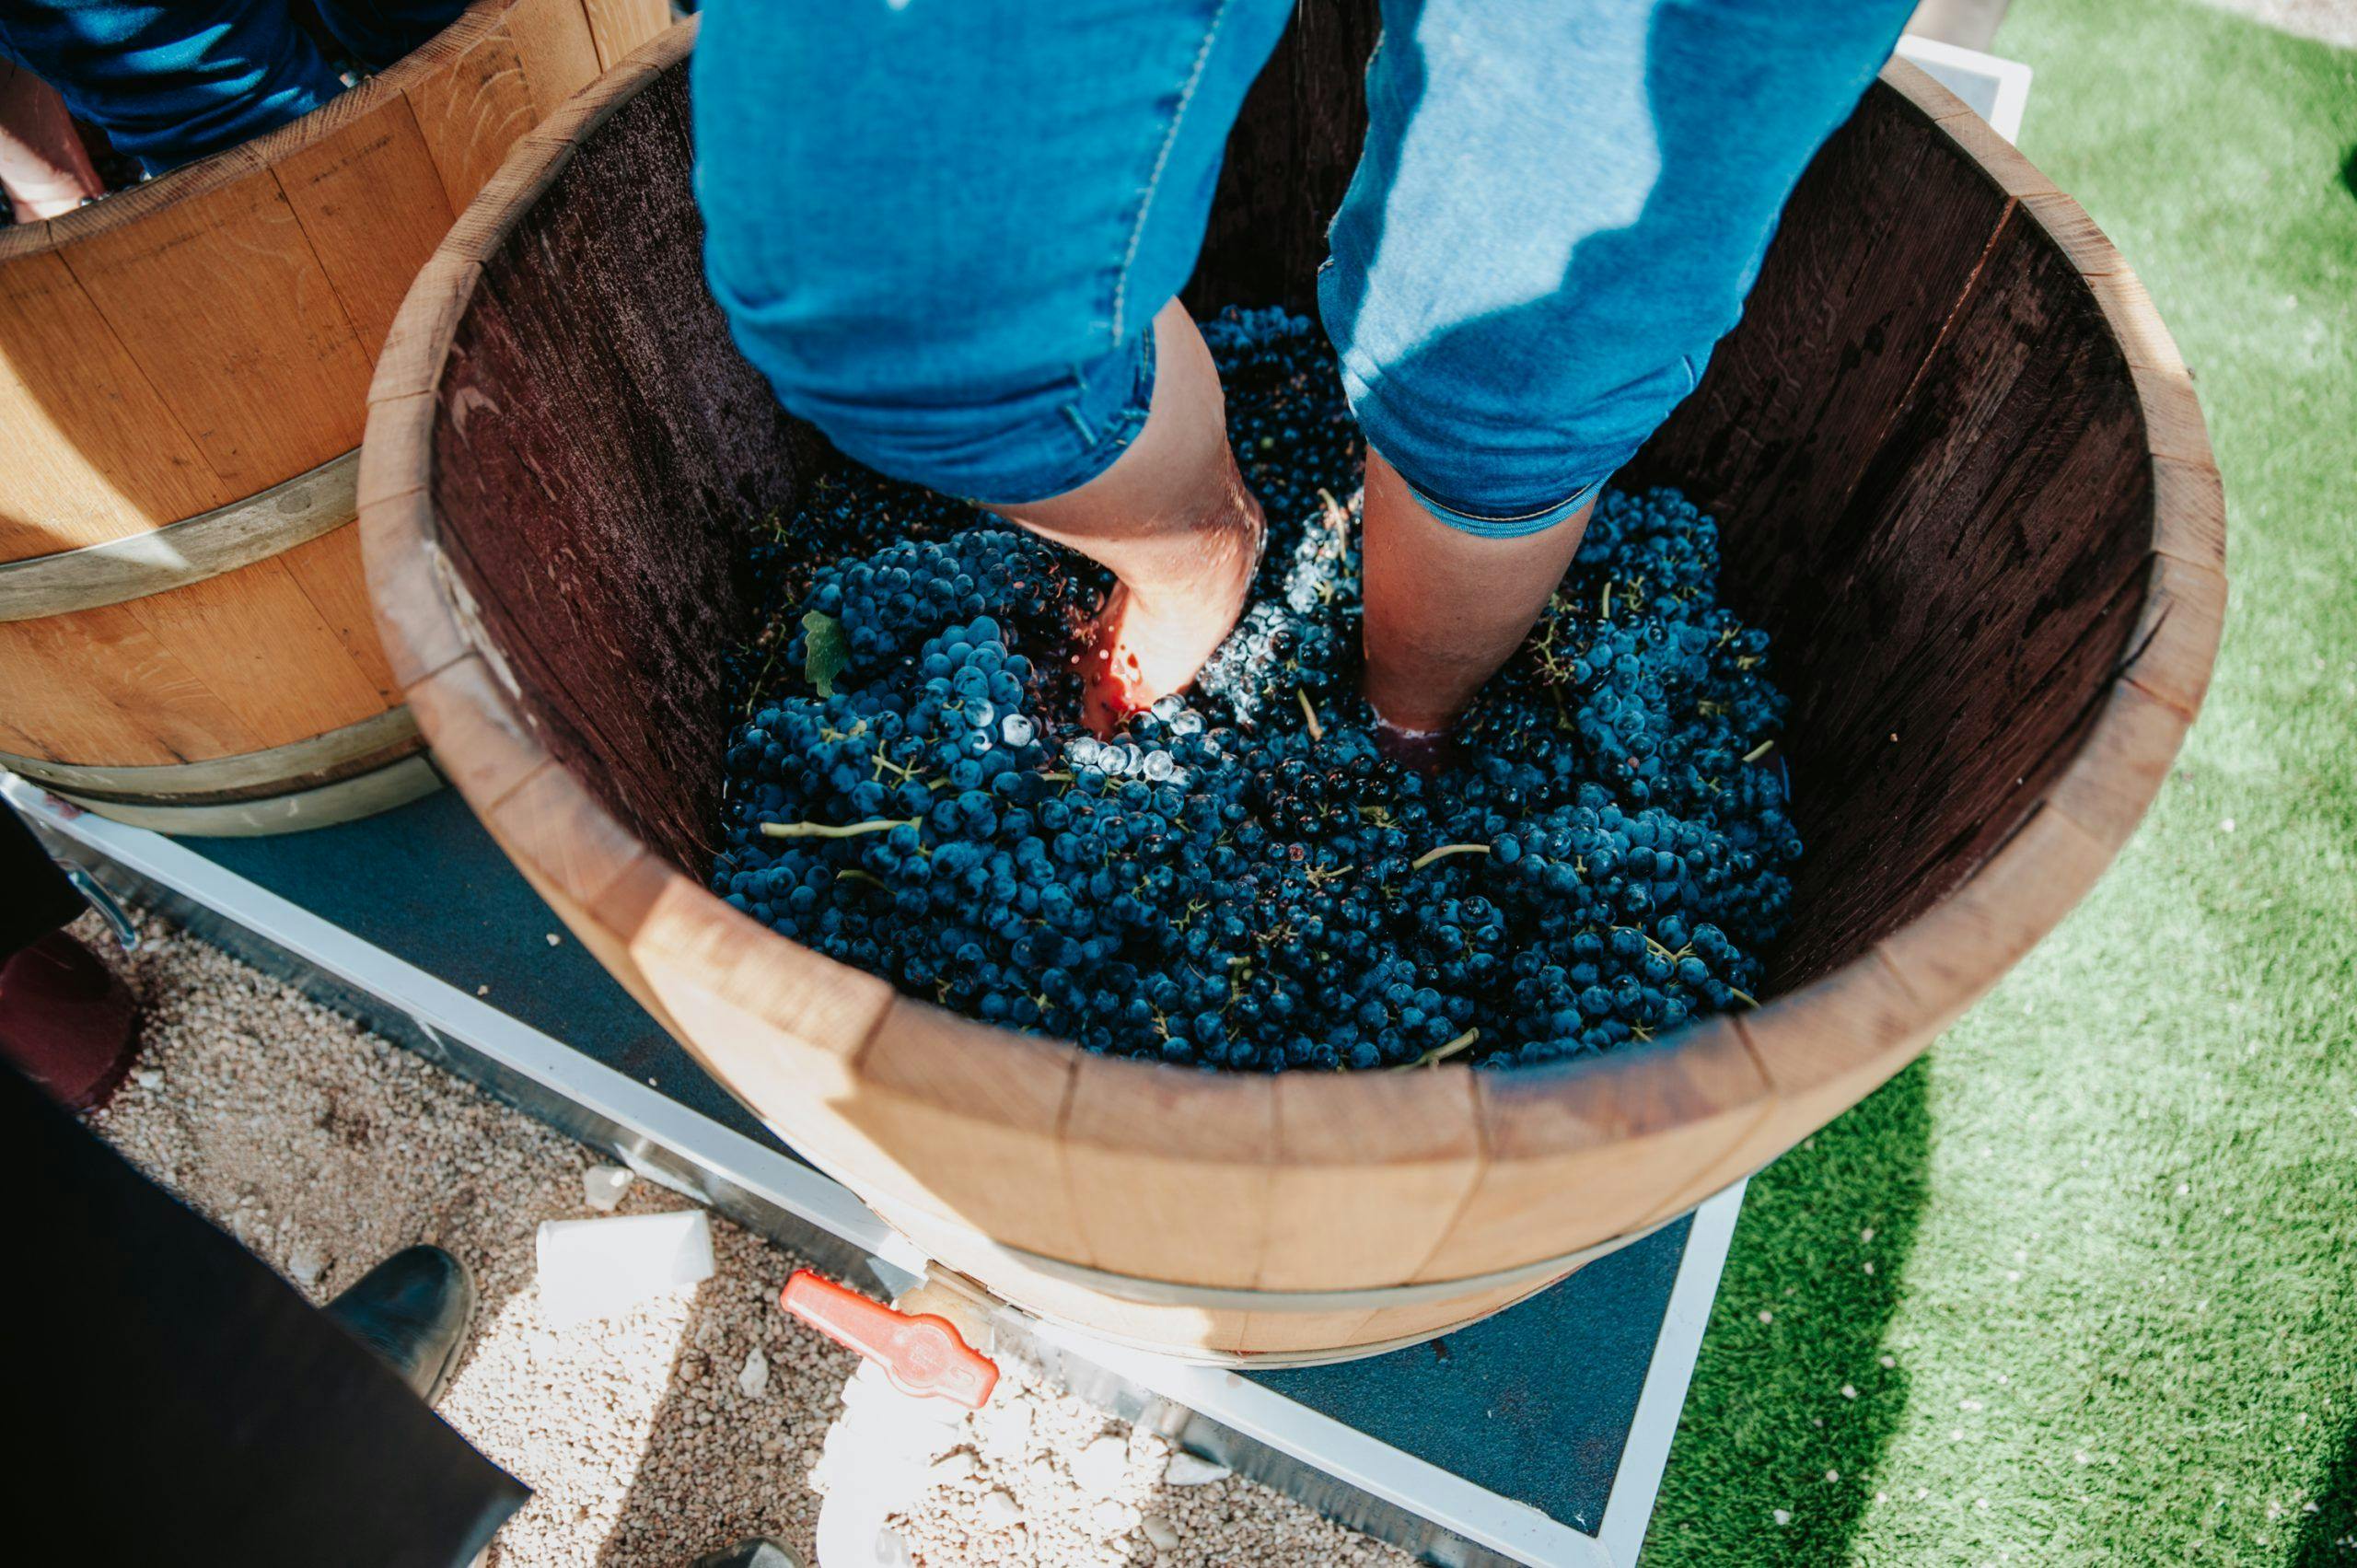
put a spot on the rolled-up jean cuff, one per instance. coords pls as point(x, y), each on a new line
point(1516, 527)
point(1027, 446)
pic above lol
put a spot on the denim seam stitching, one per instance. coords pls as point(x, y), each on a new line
point(1161, 161)
point(1478, 523)
point(1535, 512)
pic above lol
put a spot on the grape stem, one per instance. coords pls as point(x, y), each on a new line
point(1444, 852)
point(1338, 518)
point(829, 831)
point(1316, 730)
point(1760, 751)
point(1441, 1053)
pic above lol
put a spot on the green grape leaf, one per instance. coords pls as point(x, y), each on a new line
point(828, 651)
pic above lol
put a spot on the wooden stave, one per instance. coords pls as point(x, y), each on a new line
point(97, 591)
point(691, 957)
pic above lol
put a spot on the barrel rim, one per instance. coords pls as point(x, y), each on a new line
point(210, 173)
point(1820, 1048)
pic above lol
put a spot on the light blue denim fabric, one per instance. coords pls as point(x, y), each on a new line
point(943, 228)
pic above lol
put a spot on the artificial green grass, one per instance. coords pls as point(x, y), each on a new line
point(2112, 1311)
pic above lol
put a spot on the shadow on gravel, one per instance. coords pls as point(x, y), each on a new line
point(719, 1464)
point(1767, 1419)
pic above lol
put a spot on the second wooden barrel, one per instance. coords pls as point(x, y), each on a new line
point(184, 638)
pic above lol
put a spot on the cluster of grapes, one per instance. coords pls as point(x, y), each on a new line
point(1241, 880)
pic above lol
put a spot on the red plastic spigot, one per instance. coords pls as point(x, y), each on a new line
point(922, 1354)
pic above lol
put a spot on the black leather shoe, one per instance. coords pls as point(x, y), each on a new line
point(412, 1309)
point(761, 1552)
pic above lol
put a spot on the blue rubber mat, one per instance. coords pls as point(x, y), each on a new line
point(1535, 1404)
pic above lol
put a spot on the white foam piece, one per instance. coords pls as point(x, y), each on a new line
point(602, 1187)
point(592, 1269)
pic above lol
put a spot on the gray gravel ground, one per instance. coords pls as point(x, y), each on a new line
point(324, 1148)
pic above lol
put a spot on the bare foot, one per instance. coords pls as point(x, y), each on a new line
point(1176, 524)
point(1141, 650)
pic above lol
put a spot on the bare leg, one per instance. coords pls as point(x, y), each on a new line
point(1446, 607)
point(42, 165)
point(1173, 521)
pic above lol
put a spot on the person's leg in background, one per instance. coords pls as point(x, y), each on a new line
point(178, 1401)
point(66, 1020)
point(170, 83)
point(951, 237)
point(1560, 208)
point(44, 170)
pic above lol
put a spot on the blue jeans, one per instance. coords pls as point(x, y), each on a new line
point(173, 82)
point(943, 228)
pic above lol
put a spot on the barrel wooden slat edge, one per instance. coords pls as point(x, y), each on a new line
point(2190, 512)
point(557, 36)
point(488, 747)
point(229, 315)
point(371, 207)
point(1583, 1152)
point(975, 1125)
point(417, 623)
point(1348, 1209)
point(1997, 158)
point(1171, 1168)
point(130, 463)
point(2121, 766)
point(478, 104)
point(2174, 643)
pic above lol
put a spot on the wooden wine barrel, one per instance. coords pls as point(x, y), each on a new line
point(184, 636)
point(1961, 478)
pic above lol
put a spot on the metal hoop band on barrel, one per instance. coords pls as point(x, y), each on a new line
point(269, 523)
point(343, 800)
point(361, 768)
point(1261, 1359)
point(1171, 1292)
point(374, 741)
